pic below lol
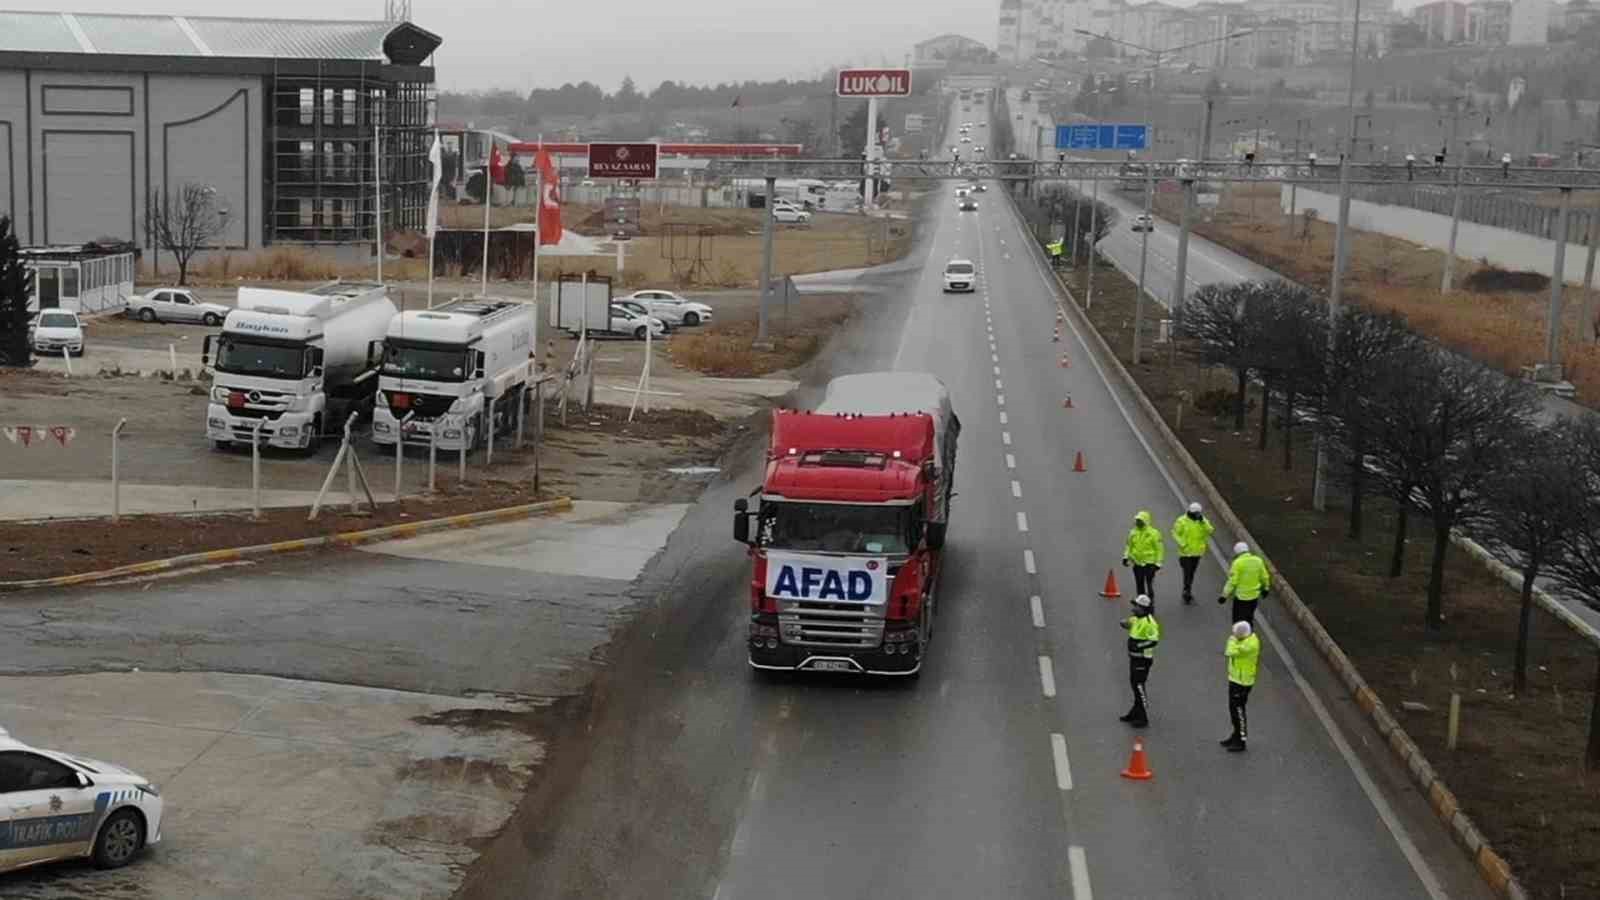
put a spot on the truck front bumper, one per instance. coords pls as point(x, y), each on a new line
point(289, 431)
point(768, 652)
point(452, 431)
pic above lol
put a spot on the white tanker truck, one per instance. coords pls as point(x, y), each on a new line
point(296, 362)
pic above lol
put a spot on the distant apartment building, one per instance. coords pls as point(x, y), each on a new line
point(1442, 22)
point(948, 47)
point(1008, 37)
point(1530, 22)
point(1488, 22)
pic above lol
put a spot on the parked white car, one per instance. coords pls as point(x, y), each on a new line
point(62, 806)
point(626, 321)
point(790, 215)
point(54, 330)
point(960, 275)
point(176, 305)
point(672, 308)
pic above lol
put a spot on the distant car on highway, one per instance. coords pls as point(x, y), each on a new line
point(965, 139)
point(790, 215)
point(55, 330)
point(671, 308)
point(962, 191)
point(1144, 222)
point(175, 305)
point(61, 806)
point(968, 204)
point(960, 275)
point(977, 188)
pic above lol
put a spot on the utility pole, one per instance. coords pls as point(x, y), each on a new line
point(1589, 330)
point(1299, 128)
point(1180, 283)
point(1094, 213)
point(1448, 280)
point(1341, 249)
point(1144, 252)
point(762, 342)
point(1558, 281)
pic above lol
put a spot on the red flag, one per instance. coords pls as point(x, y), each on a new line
point(497, 165)
point(549, 201)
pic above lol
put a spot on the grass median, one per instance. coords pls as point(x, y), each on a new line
point(1502, 329)
point(1518, 768)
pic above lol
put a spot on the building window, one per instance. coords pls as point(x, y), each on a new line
point(308, 106)
point(69, 283)
point(349, 117)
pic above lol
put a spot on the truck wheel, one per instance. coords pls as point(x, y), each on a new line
point(147, 315)
point(222, 446)
point(314, 441)
point(690, 320)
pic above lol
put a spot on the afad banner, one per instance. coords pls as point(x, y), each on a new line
point(827, 579)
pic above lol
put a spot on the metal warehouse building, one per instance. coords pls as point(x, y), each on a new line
point(98, 113)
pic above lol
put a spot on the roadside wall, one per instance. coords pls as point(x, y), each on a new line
point(1507, 249)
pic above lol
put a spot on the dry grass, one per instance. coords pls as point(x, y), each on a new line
point(724, 349)
point(471, 215)
point(1518, 770)
point(1504, 330)
point(287, 264)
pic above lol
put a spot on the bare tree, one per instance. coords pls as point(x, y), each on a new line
point(1367, 343)
point(1290, 340)
point(186, 224)
point(1531, 514)
point(1446, 429)
point(1224, 327)
point(1575, 569)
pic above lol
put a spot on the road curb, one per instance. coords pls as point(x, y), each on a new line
point(341, 539)
point(1490, 865)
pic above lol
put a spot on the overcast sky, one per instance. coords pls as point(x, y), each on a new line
point(512, 44)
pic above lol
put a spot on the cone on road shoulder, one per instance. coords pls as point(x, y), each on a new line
point(1138, 768)
point(1060, 316)
point(1065, 362)
point(1067, 403)
point(1077, 464)
point(1057, 337)
point(1111, 591)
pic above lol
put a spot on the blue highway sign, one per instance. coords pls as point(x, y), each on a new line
point(1101, 136)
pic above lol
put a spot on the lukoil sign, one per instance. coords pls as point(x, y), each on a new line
point(874, 83)
point(827, 579)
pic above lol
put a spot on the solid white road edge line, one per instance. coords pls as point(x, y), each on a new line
point(1058, 749)
point(1430, 881)
point(1078, 862)
point(1036, 606)
point(1047, 677)
point(1028, 564)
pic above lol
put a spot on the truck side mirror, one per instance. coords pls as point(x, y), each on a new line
point(205, 352)
point(477, 364)
point(741, 520)
point(314, 361)
point(374, 354)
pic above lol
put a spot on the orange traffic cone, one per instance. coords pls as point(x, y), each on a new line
point(1111, 591)
point(1060, 316)
point(1057, 337)
point(1138, 769)
point(1077, 464)
point(1067, 403)
point(1065, 363)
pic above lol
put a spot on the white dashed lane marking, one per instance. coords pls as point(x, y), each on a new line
point(1047, 677)
point(1037, 606)
point(1005, 438)
point(1022, 521)
point(1016, 489)
point(1028, 564)
point(1011, 461)
point(1058, 750)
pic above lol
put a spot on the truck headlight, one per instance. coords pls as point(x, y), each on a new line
point(452, 434)
point(289, 431)
point(298, 403)
point(457, 405)
point(220, 394)
point(217, 423)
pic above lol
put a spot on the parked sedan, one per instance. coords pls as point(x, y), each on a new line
point(626, 321)
point(639, 309)
point(62, 806)
point(1144, 222)
point(672, 308)
point(55, 330)
point(176, 305)
point(790, 216)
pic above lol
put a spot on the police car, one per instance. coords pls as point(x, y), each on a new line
point(57, 806)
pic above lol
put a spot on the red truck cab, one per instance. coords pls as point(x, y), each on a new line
point(847, 532)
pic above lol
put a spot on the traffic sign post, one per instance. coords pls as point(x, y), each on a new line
point(872, 84)
point(1102, 136)
point(634, 160)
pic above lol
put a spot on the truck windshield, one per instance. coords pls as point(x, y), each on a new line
point(426, 363)
point(835, 527)
point(241, 356)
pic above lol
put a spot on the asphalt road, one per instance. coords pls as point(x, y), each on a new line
point(997, 774)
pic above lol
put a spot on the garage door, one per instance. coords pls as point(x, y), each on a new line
point(88, 186)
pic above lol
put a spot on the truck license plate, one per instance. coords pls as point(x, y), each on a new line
point(832, 665)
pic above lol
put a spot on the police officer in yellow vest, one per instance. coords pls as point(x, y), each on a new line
point(1144, 633)
point(1248, 582)
point(1243, 652)
point(1055, 249)
point(1192, 533)
point(1145, 550)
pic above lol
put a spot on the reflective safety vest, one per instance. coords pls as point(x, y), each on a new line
point(1247, 578)
point(1192, 535)
point(1144, 633)
point(1243, 658)
point(1145, 546)
point(1055, 247)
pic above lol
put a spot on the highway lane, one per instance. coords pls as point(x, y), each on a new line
point(996, 774)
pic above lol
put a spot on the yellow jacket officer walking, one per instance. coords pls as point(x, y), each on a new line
point(1248, 582)
point(1145, 550)
point(1243, 652)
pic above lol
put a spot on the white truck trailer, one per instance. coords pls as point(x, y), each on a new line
point(452, 372)
point(296, 363)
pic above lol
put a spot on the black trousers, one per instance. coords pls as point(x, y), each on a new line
point(1144, 578)
point(1238, 696)
point(1244, 611)
point(1138, 674)
point(1188, 564)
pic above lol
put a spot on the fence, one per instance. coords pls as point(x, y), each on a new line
point(1513, 212)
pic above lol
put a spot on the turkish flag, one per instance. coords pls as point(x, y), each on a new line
point(497, 165)
point(549, 200)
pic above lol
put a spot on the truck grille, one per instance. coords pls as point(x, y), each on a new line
point(839, 626)
point(426, 406)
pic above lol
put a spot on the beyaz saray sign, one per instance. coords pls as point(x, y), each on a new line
point(632, 160)
point(827, 579)
point(874, 83)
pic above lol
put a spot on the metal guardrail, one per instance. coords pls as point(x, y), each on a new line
point(1298, 173)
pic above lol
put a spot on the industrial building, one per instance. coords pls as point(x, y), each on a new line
point(101, 112)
